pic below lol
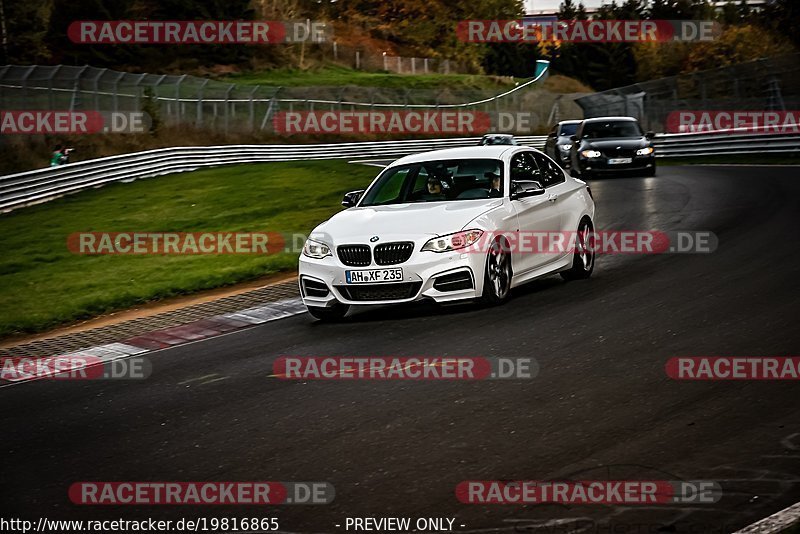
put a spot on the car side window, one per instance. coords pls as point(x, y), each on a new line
point(524, 167)
point(551, 173)
point(421, 182)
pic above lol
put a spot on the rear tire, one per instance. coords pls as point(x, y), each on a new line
point(583, 258)
point(497, 274)
point(331, 314)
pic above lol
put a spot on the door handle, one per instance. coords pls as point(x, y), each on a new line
point(552, 198)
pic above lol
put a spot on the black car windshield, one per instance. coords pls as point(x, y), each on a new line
point(497, 140)
point(437, 181)
point(601, 130)
point(568, 129)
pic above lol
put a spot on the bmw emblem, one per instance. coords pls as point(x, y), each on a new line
point(373, 239)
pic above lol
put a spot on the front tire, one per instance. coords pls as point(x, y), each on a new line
point(584, 256)
point(497, 274)
point(331, 314)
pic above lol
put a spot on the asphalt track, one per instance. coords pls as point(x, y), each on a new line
point(601, 407)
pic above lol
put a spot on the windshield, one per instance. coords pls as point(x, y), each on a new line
point(497, 140)
point(437, 181)
point(569, 129)
point(602, 130)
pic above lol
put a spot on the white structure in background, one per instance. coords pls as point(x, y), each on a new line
point(551, 7)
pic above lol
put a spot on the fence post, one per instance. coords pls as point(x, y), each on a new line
point(199, 120)
point(399, 66)
point(155, 92)
point(115, 92)
point(252, 120)
point(50, 97)
point(178, 106)
point(76, 88)
point(413, 65)
point(25, 78)
point(137, 92)
point(227, 105)
point(269, 109)
point(97, 89)
point(385, 67)
point(358, 59)
point(425, 63)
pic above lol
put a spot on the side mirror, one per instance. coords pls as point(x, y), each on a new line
point(551, 134)
point(526, 188)
point(573, 138)
point(650, 135)
point(351, 199)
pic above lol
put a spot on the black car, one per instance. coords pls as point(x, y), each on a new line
point(558, 141)
point(607, 145)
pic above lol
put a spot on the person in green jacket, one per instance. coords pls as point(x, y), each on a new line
point(57, 156)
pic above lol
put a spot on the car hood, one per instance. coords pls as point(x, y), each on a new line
point(627, 143)
point(403, 220)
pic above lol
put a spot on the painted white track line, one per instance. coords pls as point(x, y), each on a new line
point(774, 523)
point(112, 351)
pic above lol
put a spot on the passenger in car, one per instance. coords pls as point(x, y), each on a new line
point(434, 191)
point(494, 190)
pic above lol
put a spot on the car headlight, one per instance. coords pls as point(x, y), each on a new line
point(315, 249)
point(565, 148)
point(591, 154)
point(645, 151)
point(449, 242)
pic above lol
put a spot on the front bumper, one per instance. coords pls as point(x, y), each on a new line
point(601, 164)
point(442, 277)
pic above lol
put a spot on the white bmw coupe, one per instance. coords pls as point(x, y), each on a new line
point(449, 225)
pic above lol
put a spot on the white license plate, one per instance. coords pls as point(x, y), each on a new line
point(619, 161)
point(374, 276)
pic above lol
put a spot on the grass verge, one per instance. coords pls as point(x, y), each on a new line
point(333, 75)
point(43, 285)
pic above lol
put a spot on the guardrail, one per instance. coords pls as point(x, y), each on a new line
point(17, 190)
point(721, 143)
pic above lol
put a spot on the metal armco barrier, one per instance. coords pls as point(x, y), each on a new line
point(17, 190)
point(712, 144)
point(31, 187)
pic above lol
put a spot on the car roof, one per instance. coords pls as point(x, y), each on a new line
point(471, 152)
point(574, 121)
point(603, 119)
point(498, 135)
